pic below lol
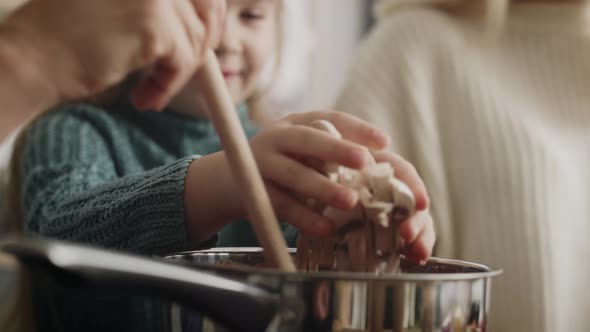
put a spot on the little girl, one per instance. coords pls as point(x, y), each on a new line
point(117, 178)
point(489, 99)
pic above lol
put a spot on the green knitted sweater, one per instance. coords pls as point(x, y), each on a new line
point(115, 179)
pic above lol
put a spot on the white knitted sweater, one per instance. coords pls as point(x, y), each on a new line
point(500, 132)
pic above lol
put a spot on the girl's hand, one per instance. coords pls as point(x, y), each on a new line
point(80, 48)
point(282, 148)
point(281, 151)
point(418, 230)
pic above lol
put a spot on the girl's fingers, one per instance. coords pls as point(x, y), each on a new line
point(351, 128)
point(306, 182)
point(412, 227)
point(307, 142)
point(297, 214)
point(420, 249)
point(407, 173)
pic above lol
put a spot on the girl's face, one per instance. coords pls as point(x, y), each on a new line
point(247, 45)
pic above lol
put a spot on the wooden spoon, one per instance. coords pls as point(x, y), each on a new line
point(243, 165)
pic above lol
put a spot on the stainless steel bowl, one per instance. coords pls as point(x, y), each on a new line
point(444, 295)
point(232, 288)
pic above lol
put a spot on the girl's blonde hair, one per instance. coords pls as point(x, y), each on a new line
point(20, 318)
point(494, 12)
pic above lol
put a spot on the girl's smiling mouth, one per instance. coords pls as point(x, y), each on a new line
point(230, 74)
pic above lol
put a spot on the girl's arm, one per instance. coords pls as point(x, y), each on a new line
point(73, 188)
point(75, 185)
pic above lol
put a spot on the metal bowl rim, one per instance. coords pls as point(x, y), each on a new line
point(486, 271)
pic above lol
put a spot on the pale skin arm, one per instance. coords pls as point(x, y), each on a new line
point(54, 51)
point(19, 75)
point(211, 200)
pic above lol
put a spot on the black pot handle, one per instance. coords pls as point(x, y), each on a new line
point(236, 305)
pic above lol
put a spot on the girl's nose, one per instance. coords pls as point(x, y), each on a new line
point(230, 38)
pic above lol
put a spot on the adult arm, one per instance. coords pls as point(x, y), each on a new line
point(54, 51)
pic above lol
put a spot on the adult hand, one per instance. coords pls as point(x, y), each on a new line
point(79, 48)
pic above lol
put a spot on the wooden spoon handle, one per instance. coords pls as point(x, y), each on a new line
point(243, 165)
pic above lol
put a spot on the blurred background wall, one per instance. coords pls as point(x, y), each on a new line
point(319, 42)
point(338, 25)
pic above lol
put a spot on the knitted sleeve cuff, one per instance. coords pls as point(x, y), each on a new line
point(142, 213)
